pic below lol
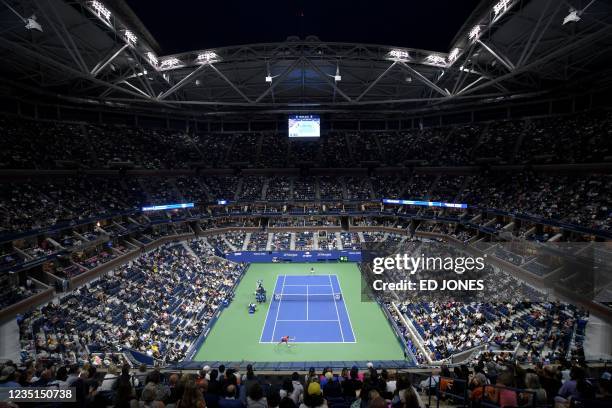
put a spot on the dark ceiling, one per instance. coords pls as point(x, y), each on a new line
point(181, 26)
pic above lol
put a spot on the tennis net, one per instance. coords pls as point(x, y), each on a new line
point(307, 297)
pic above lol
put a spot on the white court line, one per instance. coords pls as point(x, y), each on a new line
point(279, 307)
point(348, 315)
point(337, 313)
point(267, 313)
point(312, 342)
point(305, 284)
point(313, 320)
point(306, 302)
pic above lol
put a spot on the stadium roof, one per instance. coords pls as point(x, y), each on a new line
point(100, 52)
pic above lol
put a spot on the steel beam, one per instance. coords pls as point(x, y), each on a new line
point(101, 65)
point(505, 62)
point(279, 79)
point(329, 81)
point(423, 79)
point(230, 83)
point(193, 74)
point(373, 83)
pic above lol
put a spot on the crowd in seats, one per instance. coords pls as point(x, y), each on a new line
point(12, 293)
point(258, 241)
point(41, 145)
point(329, 189)
point(214, 147)
point(534, 331)
point(157, 304)
point(387, 186)
point(492, 380)
point(334, 150)
point(222, 187)
point(244, 147)
point(147, 148)
point(364, 147)
point(328, 242)
point(304, 241)
point(377, 236)
point(228, 242)
point(273, 152)
point(573, 199)
point(281, 241)
point(192, 189)
point(279, 189)
point(576, 138)
point(572, 139)
point(419, 186)
point(350, 240)
point(446, 188)
point(358, 188)
point(252, 188)
point(304, 189)
point(499, 141)
point(303, 151)
point(581, 200)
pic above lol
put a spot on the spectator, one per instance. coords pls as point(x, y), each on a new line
point(230, 400)
point(405, 396)
point(298, 389)
point(532, 383)
point(124, 393)
point(314, 397)
point(577, 387)
point(352, 384)
point(192, 396)
point(108, 383)
point(8, 377)
point(506, 398)
point(332, 387)
point(255, 397)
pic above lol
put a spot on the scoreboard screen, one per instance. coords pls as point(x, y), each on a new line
point(304, 126)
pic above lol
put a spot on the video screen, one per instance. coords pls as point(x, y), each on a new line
point(304, 126)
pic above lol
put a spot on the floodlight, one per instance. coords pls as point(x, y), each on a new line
point(436, 59)
point(32, 24)
point(572, 17)
point(453, 55)
point(152, 58)
point(474, 33)
point(399, 54)
point(337, 77)
point(130, 37)
point(500, 8)
point(207, 56)
point(102, 11)
point(170, 63)
point(269, 78)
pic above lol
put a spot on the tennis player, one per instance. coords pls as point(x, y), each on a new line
point(285, 339)
point(312, 270)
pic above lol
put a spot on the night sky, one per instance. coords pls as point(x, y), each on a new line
point(198, 24)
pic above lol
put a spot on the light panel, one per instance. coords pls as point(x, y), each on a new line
point(399, 54)
point(207, 56)
point(130, 38)
point(152, 59)
point(102, 11)
point(170, 63)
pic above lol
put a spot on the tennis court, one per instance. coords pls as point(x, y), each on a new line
point(237, 335)
point(309, 309)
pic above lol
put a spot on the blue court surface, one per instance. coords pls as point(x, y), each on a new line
point(309, 309)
